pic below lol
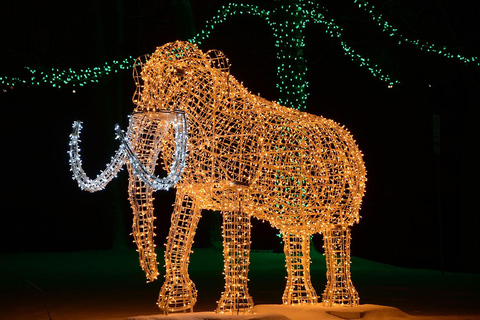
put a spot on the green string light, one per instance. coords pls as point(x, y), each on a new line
point(58, 78)
point(287, 21)
point(335, 31)
point(223, 14)
point(386, 27)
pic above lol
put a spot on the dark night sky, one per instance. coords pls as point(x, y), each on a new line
point(44, 210)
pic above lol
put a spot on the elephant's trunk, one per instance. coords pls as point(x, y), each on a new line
point(105, 176)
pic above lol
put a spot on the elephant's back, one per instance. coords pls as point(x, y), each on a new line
point(313, 175)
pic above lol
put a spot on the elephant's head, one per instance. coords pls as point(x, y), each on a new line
point(169, 83)
point(176, 76)
point(179, 77)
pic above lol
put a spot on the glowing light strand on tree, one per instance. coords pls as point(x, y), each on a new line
point(291, 71)
point(58, 78)
point(290, 43)
point(424, 46)
point(292, 90)
point(288, 22)
point(310, 11)
point(78, 174)
point(335, 31)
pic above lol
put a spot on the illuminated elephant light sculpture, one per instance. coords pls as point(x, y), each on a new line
point(246, 157)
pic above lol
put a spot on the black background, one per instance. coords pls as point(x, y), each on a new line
point(420, 209)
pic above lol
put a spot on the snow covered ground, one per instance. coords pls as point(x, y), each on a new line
point(109, 285)
point(318, 312)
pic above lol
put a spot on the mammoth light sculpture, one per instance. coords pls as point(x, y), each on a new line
point(246, 157)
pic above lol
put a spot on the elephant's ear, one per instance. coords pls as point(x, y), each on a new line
point(218, 60)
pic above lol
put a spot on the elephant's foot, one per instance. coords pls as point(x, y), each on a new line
point(177, 294)
point(235, 302)
point(346, 296)
point(300, 294)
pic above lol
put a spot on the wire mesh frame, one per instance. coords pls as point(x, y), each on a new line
point(339, 289)
point(236, 232)
point(306, 174)
point(299, 289)
point(178, 291)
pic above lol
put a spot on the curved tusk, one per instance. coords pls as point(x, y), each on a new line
point(178, 164)
point(105, 176)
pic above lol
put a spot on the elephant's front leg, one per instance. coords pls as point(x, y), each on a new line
point(178, 291)
point(236, 253)
point(339, 289)
point(141, 200)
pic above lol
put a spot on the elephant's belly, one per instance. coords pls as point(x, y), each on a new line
point(312, 176)
point(288, 214)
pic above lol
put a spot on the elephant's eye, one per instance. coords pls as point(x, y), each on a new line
point(180, 72)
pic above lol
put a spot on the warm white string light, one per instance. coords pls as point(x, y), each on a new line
point(339, 289)
point(248, 157)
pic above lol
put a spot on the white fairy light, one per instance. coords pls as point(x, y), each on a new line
point(84, 182)
point(139, 148)
point(179, 123)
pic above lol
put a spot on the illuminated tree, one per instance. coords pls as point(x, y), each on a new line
point(287, 20)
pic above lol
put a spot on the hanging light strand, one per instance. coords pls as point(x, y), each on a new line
point(223, 14)
point(289, 40)
point(58, 78)
point(387, 28)
point(336, 31)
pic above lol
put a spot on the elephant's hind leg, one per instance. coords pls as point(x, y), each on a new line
point(339, 289)
point(178, 291)
point(236, 255)
point(299, 289)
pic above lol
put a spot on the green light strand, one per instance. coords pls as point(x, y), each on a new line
point(58, 78)
point(292, 84)
point(223, 14)
point(287, 22)
point(335, 31)
point(386, 27)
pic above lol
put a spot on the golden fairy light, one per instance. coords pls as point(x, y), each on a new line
point(246, 157)
point(251, 157)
